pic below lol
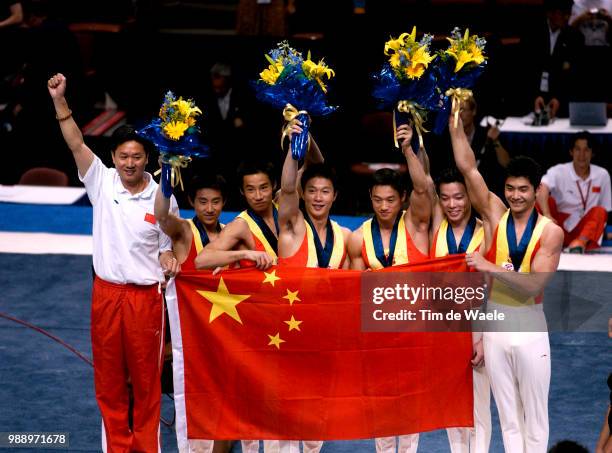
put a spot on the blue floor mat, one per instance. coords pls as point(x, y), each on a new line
point(45, 387)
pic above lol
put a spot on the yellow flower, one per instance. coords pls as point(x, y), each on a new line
point(465, 50)
point(175, 129)
point(421, 56)
point(477, 56)
point(463, 58)
point(317, 71)
point(415, 72)
point(271, 74)
point(185, 108)
point(395, 44)
point(395, 60)
point(191, 121)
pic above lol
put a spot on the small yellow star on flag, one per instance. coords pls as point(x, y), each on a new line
point(293, 324)
point(271, 277)
point(223, 302)
point(292, 296)
point(275, 340)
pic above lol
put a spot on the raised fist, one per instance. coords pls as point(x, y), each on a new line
point(57, 86)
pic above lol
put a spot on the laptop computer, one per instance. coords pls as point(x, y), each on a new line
point(587, 114)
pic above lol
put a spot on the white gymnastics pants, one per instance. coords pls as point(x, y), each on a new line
point(282, 446)
point(407, 444)
point(478, 438)
point(518, 364)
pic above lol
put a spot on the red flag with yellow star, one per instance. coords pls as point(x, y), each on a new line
point(281, 355)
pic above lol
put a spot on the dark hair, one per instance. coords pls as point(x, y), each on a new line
point(388, 177)
point(582, 135)
point(523, 166)
point(207, 180)
point(127, 133)
point(450, 175)
point(247, 168)
point(567, 446)
point(320, 171)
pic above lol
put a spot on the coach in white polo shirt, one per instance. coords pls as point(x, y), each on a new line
point(580, 196)
point(127, 313)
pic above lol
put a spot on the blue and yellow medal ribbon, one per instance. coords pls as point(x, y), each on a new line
point(457, 96)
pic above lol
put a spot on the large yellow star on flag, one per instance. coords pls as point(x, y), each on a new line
point(293, 324)
point(275, 340)
point(223, 302)
point(271, 277)
point(292, 296)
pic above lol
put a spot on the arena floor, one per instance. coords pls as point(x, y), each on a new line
point(46, 281)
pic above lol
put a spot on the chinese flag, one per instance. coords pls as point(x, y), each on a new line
point(281, 355)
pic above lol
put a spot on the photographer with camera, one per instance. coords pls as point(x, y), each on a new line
point(550, 47)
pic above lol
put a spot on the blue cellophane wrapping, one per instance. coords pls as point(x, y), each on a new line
point(299, 142)
point(293, 87)
point(165, 180)
point(189, 145)
point(389, 90)
point(448, 78)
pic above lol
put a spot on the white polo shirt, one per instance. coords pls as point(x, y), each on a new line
point(127, 240)
point(575, 196)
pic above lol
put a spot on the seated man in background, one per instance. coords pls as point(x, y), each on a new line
point(579, 196)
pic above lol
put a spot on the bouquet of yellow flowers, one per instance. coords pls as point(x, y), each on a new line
point(295, 85)
point(175, 135)
point(458, 68)
point(406, 81)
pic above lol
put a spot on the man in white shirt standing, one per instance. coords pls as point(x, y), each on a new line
point(580, 196)
point(127, 314)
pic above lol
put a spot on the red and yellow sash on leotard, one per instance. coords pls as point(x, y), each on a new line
point(338, 252)
point(500, 292)
point(440, 246)
point(400, 255)
point(258, 234)
point(195, 247)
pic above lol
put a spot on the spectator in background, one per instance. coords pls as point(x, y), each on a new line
point(577, 196)
point(593, 19)
point(225, 123)
point(225, 110)
point(592, 71)
point(550, 47)
point(491, 157)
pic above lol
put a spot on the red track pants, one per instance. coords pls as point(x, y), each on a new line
point(127, 340)
point(591, 226)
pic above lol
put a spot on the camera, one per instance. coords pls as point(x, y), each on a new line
point(541, 118)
